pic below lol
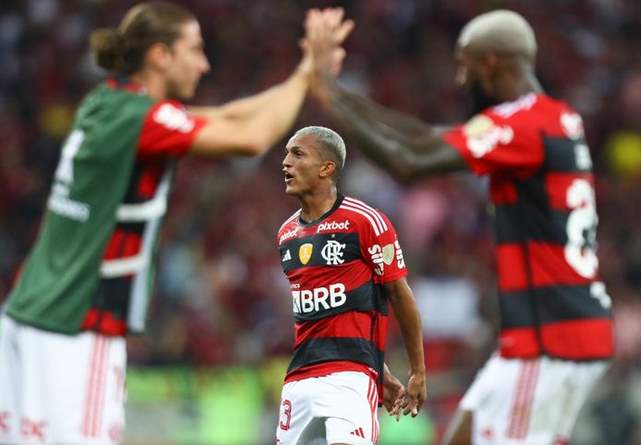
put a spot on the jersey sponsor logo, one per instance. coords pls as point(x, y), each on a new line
point(332, 226)
point(400, 261)
point(382, 256)
point(320, 298)
point(305, 253)
point(287, 256)
point(376, 253)
point(333, 253)
point(483, 135)
point(174, 118)
point(572, 125)
point(287, 235)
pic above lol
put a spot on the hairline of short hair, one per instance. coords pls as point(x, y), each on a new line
point(330, 141)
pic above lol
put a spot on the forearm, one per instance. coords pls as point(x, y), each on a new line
point(268, 115)
point(401, 144)
point(393, 122)
point(275, 113)
point(409, 322)
point(248, 106)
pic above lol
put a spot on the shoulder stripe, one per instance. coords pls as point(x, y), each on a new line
point(366, 215)
point(376, 214)
point(290, 219)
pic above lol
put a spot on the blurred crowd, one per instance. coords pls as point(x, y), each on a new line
point(221, 298)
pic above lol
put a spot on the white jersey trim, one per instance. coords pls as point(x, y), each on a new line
point(377, 231)
point(143, 212)
point(290, 219)
point(377, 216)
point(122, 266)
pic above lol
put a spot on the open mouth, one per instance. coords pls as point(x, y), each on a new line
point(288, 178)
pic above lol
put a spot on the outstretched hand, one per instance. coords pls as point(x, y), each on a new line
point(325, 31)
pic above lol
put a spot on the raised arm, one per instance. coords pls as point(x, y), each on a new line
point(401, 144)
point(409, 321)
point(251, 125)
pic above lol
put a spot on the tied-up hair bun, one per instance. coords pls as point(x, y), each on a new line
point(108, 46)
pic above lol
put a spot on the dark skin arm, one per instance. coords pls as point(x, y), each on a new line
point(401, 144)
point(404, 146)
point(404, 305)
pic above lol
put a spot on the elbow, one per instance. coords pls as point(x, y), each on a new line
point(260, 142)
point(256, 146)
point(256, 149)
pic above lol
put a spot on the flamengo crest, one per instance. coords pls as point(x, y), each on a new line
point(333, 253)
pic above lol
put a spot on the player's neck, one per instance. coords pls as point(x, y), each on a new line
point(316, 204)
point(523, 83)
point(154, 84)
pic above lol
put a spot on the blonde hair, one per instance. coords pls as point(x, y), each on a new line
point(330, 141)
point(501, 30)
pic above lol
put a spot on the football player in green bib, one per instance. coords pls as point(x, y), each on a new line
point(86, 282)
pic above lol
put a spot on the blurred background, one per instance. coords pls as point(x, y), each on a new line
point(210, 368)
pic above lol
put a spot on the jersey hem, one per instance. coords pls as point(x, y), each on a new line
point(330, 367)
point(40, 325)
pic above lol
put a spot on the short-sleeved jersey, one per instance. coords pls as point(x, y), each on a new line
point(336, 267)
point(93, 262)
point(541, 184)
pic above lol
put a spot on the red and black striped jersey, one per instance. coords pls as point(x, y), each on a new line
point(167, 133)
point(541, 184)
point(336, 267)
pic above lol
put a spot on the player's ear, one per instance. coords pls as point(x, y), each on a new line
point(327, 169)
point(158, 56)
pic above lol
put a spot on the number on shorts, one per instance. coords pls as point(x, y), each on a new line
point(285, 415)
point(581, 229)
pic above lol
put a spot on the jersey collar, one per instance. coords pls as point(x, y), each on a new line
point(121, 82)
point(337, 204)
